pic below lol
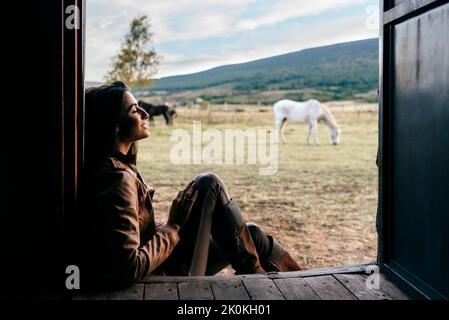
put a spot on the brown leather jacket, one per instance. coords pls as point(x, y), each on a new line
point(123, 241)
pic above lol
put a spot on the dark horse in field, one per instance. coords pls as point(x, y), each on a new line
point(157, 110)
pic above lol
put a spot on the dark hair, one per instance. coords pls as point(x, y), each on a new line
point(103, 107)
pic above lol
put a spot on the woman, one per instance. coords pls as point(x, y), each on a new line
point(122, 241)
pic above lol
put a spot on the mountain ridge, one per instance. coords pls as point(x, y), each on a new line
point(337, 71)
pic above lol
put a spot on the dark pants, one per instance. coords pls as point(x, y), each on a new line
point(225, 220)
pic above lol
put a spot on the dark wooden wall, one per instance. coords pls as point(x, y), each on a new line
point(414, 140)
point(43, 154)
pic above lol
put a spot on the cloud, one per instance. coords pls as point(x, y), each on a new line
point(192, 21)
point(342, 29)
point(224, 18)
point(198, 26)
point(176, 20)
point(288, 9)
point(208, 18)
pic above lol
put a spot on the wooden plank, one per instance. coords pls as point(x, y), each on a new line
point(132, 293)
point(262, 289)
point(356, 283)
point(161, 291)
point(295, 289)
point(195, 290)
point(404, 8)
point(357, 268)
point(391, 289)
point(229, 289)
point(328, 288)
point(91, 296)
point(177, 279)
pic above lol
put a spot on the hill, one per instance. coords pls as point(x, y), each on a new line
point(334, 72)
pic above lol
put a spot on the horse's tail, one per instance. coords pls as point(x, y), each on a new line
point(328, 116)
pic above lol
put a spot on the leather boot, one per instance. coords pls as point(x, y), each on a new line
point(228, 227)
point(244, 258)
point(279, 259)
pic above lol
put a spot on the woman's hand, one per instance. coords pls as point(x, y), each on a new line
point(182, 205)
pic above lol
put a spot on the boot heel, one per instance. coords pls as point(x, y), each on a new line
point(279, 259)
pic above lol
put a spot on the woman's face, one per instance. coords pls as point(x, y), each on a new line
point(133, 123)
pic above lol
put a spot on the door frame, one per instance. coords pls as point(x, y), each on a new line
point(390, 15)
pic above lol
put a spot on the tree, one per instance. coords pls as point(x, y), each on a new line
point(136, 62)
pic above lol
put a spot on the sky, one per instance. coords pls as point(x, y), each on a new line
point(196, 35)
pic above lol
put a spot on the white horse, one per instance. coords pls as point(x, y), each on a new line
point(300, 112)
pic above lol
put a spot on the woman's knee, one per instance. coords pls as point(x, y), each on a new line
point(207, 179)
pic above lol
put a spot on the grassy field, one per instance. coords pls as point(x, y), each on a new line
point(321, 204)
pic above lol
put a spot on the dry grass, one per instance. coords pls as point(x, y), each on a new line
point(321, 204)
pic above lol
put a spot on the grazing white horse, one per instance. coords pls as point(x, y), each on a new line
point(300, 112)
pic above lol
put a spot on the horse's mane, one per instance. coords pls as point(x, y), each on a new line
point(328, 116)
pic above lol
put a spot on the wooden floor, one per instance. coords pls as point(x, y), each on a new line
point(340, 283)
